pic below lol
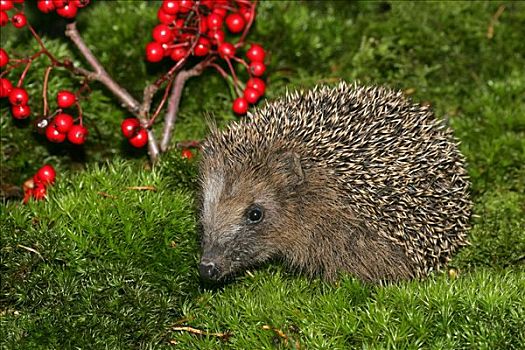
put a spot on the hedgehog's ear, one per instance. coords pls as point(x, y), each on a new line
point(290, 164)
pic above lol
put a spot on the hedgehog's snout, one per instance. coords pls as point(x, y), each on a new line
point(212, 264)
point(209, 270)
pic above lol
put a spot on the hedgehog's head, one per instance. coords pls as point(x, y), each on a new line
point(243, 210)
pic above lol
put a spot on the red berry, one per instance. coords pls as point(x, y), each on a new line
point(257, 84)
point(6, 5)
point(178, 53)
point(185, 6)
point(18, 96)
point(77, 134)
point(170, 7)
point(4, 18)
point(19, 20)
point(235, 22)
point(226, 50)
point(27, 195)
point(21, 111)
point(251, 95)
point(140, 139)
point(255, 53)
point(214, 21)
point(129, 127)
point(5, 87)
point(203, 25)
point(257, 68)
point(186, 38)
point(60, 3)
point(202, 48)
point(66, 99)
point(186, 153)
point(179, 24)
point(45, 175)
point(220, 11)
point(216, 36)
point(154, 52)
point(164, 17)
point(46, 6)
point(39, 192)
point(81, 3)
point(208, 3)
point(240, 106)
point(63, 122)
point(53, 135)
point(68, 11)
point(162, 34)
point(4, 57)
point(167, 49)
point(246, 13)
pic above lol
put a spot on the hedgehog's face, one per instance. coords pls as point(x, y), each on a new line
point(240, 217)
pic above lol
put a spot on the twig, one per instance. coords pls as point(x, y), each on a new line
point(106, 195)
point(277, 331)
point(283, 336)
point(32, 250)
point(493, 20)
point(174, 101)
point(222, 335)
point(142, 188)
point(189, 144)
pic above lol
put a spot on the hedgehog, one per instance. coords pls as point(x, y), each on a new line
point(346, 179)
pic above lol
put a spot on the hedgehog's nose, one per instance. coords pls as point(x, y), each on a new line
point(208, 270)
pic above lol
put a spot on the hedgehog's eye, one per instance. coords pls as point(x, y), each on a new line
point(255, 215)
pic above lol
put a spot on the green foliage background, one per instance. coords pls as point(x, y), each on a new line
point(112, 267)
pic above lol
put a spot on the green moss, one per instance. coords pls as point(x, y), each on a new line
point(102, 264)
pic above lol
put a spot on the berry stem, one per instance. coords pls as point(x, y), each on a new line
point(219, 69)
point(235, 80)
point(161, 104)
point(41, 43)
point(44, 89)
point(174, 100)
point(241, 61)
point(79, 108)
point(24, 73)
point(249, 24)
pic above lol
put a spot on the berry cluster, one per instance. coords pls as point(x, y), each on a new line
point(18, 19)
point(57, 126)
point(62, 125)
point(134, 132)
point(197, 29)
point(36, 187)
point(17, 96)
point(64, 8)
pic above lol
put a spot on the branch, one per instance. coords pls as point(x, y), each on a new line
point(102, 76)
point(174, 101)
point(100, 73)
